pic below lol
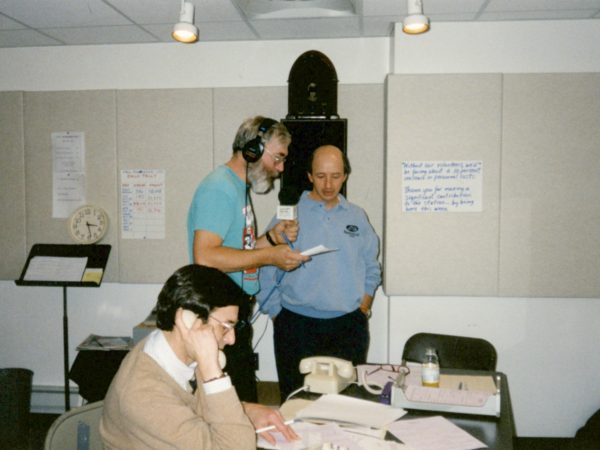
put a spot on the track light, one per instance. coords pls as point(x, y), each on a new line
point(415, 22)
point(185, 30)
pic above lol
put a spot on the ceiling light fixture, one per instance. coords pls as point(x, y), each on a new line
point(185, 31)
point(415, 22)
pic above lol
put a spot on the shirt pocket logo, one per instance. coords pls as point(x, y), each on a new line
point(352, 230)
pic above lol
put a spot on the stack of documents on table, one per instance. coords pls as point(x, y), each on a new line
point(433, 433)
point(95, 342)
point(347, 422)
point(328, 437)
point(350, 411)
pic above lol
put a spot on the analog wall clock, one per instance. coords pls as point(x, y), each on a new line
point(88, 224)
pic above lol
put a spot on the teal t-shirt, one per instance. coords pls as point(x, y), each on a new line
point(220, 206)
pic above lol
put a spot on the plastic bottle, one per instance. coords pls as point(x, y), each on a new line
point(430, 369)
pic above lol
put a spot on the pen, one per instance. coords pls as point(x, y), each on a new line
point(287, 241)
point(273, 427)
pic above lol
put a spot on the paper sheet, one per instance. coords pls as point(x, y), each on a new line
point(433, 433)
point(68, 172)
point(318, 250)
point(55, 268)
point(315, 436)
point(344, 409)
point(481, 383)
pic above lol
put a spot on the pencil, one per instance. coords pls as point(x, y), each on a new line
point(273, 427)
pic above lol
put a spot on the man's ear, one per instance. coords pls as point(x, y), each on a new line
point(310, 178)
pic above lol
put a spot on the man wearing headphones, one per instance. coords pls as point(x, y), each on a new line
point(222, 230)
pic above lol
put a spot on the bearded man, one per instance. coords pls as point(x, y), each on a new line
point(222, 230)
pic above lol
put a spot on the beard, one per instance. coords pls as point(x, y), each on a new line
point(261, 181)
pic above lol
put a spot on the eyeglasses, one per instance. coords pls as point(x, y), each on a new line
point(227, 327)
point(276, 158)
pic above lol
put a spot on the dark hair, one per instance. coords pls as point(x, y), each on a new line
point(345, 160)
point(198, 288)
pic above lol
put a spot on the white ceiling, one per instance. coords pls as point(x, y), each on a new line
point(27, 23)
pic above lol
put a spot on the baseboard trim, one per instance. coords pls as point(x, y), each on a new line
point(51, 399)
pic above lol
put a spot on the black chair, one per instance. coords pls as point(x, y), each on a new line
point(454, 352)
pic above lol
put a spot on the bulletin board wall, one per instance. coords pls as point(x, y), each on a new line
point(185, 132)
point(538, 138)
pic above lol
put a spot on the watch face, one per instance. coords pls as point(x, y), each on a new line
point(88, 224)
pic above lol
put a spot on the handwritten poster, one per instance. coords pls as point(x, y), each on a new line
point(442, 186)
point(143, 204)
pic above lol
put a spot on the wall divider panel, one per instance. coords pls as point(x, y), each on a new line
point(550, 212)
point(170, 129)
point(92, 112)
point(538, 137)
point(12, 193)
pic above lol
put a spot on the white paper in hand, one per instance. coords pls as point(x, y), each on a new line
point(318, 250)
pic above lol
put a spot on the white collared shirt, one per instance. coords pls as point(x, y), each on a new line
point(158, 349)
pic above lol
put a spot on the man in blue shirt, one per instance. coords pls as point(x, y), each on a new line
point(323, 307)
point(222, 232)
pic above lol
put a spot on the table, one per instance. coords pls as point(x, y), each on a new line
point(496, 432)
point(93, 371)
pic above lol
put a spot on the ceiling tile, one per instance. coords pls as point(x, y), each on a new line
point(25, 38)
point(317, 28)
point(226, 31)
point(101, 35)
point(61, 13)
point(541, 5)
point(537, 15)
point(9, 24)
point(148, 11)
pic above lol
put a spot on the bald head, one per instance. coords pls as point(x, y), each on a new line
point(329, 151)
point(328, 172)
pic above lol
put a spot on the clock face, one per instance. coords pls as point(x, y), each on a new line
point(88, 224)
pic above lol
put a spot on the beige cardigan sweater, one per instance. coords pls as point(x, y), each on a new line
point(145, 408)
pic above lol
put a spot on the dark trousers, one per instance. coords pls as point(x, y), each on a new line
point(241, 365)
point(297, 337)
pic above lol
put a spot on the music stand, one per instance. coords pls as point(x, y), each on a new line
point(65, 265)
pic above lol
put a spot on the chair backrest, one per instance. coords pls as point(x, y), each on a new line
point(454, 352)
point(77, 425)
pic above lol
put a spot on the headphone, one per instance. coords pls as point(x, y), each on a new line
point(254, 148)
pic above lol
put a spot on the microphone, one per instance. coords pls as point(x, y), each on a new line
point(287, 209)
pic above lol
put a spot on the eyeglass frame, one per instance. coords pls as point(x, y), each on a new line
point(276, 158)
point(227, 326)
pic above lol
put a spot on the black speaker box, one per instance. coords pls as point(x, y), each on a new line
point(307, 135)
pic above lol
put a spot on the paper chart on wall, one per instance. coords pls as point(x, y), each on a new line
point(143, 204)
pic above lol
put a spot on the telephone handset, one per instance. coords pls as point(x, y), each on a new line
point(327, 374)
point(189, 317)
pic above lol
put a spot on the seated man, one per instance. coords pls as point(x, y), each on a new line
point(150, 403)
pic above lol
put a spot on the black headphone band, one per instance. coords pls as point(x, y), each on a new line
point(265, 125)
